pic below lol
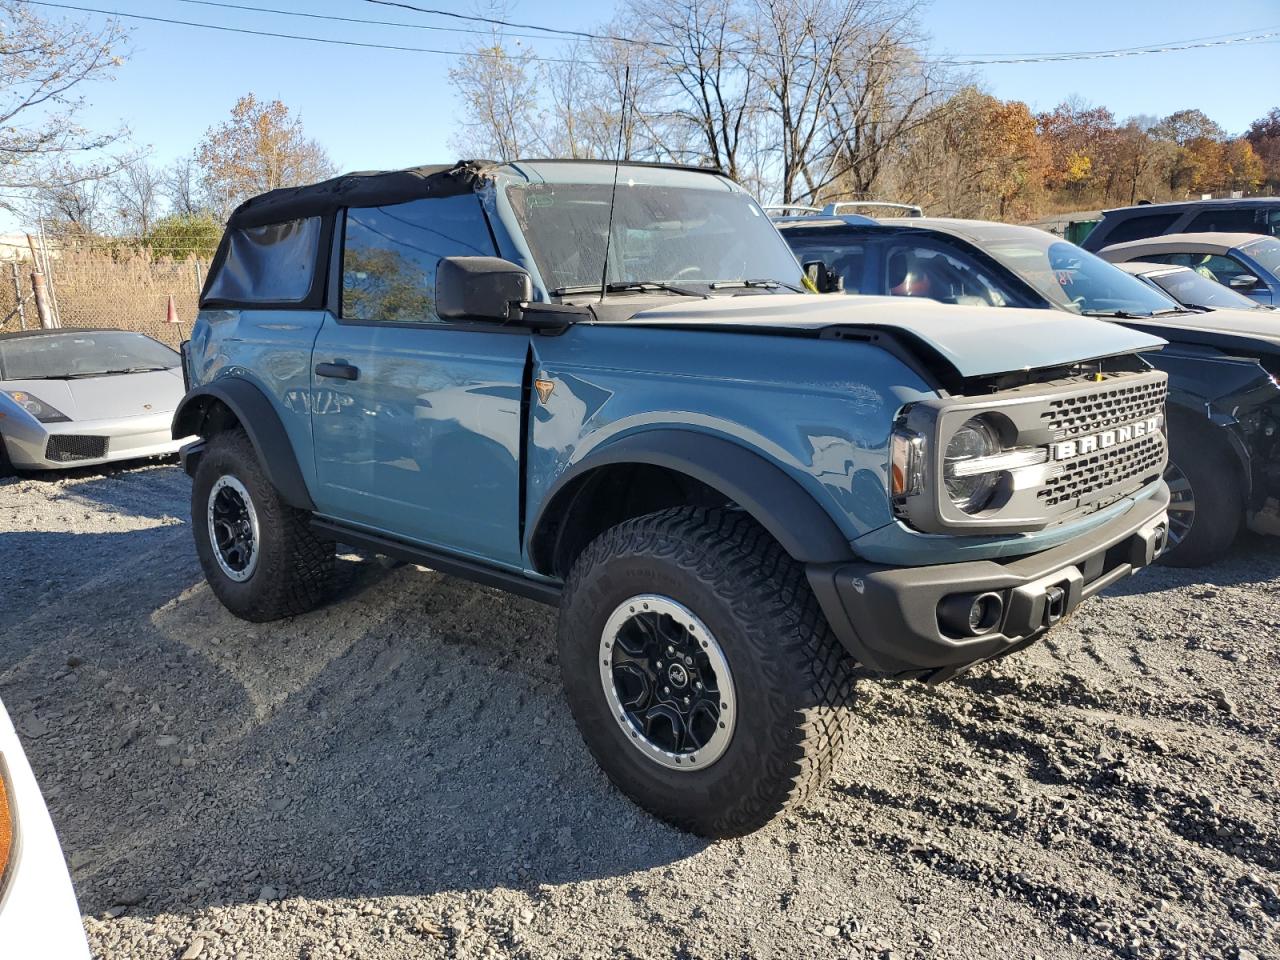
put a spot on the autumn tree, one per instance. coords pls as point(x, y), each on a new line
point(500, 107)
point(1079, 140)
point(1241, 166)
point(262, 147)
point(44, 68)
point(1264, 136)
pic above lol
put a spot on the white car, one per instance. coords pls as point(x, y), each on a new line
point(38, 912)
point(73, 398)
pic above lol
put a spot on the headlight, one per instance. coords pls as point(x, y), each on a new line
point(37, 407)
point(975, 440)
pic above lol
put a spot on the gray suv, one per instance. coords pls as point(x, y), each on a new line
point(1258, 215)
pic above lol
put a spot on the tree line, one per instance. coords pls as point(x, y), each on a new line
point(807, 101)
point(804, 101)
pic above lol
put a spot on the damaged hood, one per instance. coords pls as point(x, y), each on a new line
point(975, 341)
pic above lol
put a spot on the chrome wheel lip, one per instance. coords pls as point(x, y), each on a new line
point(232, 486)
point(715, 747)
point(1182, 503)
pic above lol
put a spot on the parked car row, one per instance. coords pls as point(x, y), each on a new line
point(1223, 356)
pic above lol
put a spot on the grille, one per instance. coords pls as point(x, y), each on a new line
point(1086, 475)
point(1093, 411)
point(67, 447)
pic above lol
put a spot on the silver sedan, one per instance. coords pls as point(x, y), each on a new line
point(72, 398)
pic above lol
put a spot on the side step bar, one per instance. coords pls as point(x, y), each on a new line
point(454, 566)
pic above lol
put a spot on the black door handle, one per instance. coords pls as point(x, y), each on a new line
point(337, 371)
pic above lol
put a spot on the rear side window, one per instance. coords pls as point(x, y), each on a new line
point(390, 255)
point(1139, 228)
point(275, 263)
point(1224, 221)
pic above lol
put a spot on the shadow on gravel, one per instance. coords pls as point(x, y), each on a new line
point(1254, 559)
point(409, 740)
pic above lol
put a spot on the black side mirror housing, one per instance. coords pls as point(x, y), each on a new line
point(487, 289)
point(823, 278)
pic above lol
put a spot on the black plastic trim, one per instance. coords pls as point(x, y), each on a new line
point(778, 502)
point(260, 421)
point(887, 618)
point(451, 564)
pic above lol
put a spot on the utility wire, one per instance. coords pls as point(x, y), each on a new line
point(294, 36)
point(955, 61)
point(338, 19)
point(519, 26)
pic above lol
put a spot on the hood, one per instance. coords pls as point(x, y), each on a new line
point(975, 341)
point(1230, 329)
point(108, 398)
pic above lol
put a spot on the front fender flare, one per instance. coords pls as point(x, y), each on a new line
point(255, 413)
point(760, 487)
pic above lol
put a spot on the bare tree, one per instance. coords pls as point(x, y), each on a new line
point(180, 187)
point(43, 65)
point(136, 194)
point(882, 91)
point(499, 92)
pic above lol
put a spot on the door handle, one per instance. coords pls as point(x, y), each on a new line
point(337, 371)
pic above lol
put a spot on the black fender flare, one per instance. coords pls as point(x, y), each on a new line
point(764, 490)
point(259, 419)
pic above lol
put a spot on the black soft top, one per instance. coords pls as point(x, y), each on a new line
point(373, 188)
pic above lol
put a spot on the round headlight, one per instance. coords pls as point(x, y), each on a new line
point(971, 492)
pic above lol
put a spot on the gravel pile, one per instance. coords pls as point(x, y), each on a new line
point(397, 775)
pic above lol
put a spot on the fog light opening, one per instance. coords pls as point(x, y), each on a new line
point(971, 614)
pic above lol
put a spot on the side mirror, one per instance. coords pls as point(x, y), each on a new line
point(481, 288)
point(823, 278)
point(1243, 281)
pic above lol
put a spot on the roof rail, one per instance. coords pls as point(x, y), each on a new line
point(836, 209)
point(784, 209)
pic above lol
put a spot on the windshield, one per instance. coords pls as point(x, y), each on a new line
point(661, 234)
point(1075, 279)
point(82, 354)
point(1266, 252)
point(1195, 290)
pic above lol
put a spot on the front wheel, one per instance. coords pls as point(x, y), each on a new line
point(258, 553)
point(700, 671)
point(1205, 501)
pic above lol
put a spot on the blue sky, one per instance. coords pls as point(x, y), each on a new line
point(377, 108)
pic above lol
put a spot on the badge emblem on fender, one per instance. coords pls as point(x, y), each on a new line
point(544, 388)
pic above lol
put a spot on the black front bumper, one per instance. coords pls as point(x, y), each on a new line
point(888, 617)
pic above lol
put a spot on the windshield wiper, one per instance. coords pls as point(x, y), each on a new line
point(762, 284)
point(108, 373)
point(629, 286)
point(1118, 314)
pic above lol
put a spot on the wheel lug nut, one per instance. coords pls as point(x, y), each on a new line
point(666, 689)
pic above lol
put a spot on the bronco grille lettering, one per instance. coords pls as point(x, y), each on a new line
point(1091, 443)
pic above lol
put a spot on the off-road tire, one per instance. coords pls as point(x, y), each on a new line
point(6, 465)
point(295, 568)
point(1219, 500)
point(792, 679)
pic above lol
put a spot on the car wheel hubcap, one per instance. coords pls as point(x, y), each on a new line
point(667, 683)
point(233, 528)
point(1182, 504)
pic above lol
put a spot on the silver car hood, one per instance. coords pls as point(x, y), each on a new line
point(976, 341)
point(108, 398)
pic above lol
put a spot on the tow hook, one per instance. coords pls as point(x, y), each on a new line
point(1055, 605)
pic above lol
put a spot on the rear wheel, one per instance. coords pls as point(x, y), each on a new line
point(700, 670)
point(1206, 504)
point(6, 465)
point(260, 556)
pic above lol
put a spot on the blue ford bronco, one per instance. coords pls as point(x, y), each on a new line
point(606, 389)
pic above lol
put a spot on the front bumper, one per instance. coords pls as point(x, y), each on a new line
point(888, 617)
point(85, 443)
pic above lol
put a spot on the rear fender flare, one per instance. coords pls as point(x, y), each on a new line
point(256, 415)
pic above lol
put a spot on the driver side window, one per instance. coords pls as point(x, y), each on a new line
point(1210, 265)
point(925, 270)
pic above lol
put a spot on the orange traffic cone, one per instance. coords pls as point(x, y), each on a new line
point(171, 314)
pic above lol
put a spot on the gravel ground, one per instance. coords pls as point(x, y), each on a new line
point(397, 775)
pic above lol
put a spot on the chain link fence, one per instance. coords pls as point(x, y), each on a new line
point(89, 287)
